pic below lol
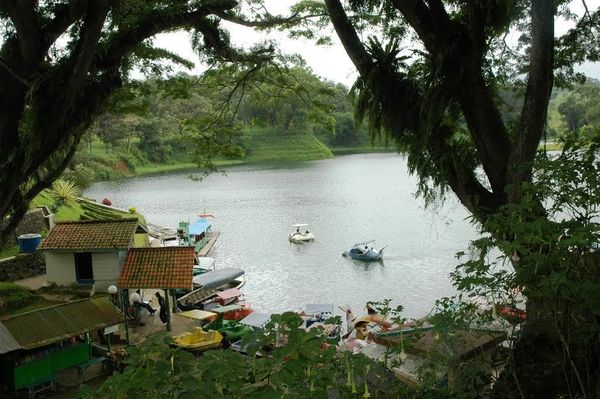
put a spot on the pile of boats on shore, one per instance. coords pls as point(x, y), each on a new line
point(224, 316)
point(224, 319)
point(226, 326)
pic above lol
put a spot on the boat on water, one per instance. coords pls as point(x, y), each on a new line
point(301, 234)
point(395, 335)
point(364, 251)
point(198, 340)
point(511, 313)
point(202, 316)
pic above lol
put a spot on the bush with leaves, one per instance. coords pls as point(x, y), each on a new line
point(80, 175)
point(304, 367)
point(14, 296)
point(558, 271)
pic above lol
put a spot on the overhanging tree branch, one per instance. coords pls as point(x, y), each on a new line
point(161, 21)
point(22, 13)
point(65, 15)
point(347, 34)
point(421, 19)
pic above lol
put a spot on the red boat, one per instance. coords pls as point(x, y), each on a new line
point(234, 312)
point(512, 314)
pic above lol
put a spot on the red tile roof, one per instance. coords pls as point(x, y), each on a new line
point(90, 235)
point(167, 268)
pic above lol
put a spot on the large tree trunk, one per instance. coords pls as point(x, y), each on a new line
point(554, 357)
point(48, 101)
point(558, 354)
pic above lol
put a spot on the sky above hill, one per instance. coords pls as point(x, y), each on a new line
point(329, 62)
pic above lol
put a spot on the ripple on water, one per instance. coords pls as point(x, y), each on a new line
point(344, 200)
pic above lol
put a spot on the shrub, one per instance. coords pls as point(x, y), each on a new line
point(13, 295)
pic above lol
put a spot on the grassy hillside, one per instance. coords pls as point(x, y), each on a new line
point(262, 145)
point(267, 145)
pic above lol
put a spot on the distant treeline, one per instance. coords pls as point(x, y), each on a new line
point(267, 114)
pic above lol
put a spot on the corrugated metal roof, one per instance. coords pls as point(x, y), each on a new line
point(46, 326)
point(162, 267)
point(91, 234)
point(7, 342)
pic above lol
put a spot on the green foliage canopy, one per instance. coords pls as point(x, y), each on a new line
point(61, 60)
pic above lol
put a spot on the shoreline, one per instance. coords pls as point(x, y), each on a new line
point(165, 169)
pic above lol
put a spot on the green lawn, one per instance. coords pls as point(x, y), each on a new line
point(9, 252)
point(297, 147)
point(160, 168)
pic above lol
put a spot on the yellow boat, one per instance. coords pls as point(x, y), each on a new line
point(198, 340)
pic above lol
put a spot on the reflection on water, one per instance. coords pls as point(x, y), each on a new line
point(344, 200)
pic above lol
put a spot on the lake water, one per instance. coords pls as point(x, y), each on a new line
point(344, 200)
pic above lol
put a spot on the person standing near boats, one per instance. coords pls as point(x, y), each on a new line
point(163, 307)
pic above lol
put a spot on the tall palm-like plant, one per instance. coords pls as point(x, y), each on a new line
point(64, 193)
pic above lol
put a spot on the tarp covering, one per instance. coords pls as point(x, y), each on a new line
point(256, 319)
point(230, 293)
point(218, 277)
point(198, 227)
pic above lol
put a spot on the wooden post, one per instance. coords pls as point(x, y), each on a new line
point(125, 304)
point(168, 310)
point(175, 310)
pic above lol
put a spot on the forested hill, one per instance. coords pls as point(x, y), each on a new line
point(217, 119)
point(222, 119)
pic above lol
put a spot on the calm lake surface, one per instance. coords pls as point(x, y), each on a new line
point(344, 200)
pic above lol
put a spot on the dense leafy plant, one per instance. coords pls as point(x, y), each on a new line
point(552, 262)
point(14, 296)
point(62, 62)
point(298, 364)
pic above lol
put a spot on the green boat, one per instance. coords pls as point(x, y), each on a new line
point(231, 328)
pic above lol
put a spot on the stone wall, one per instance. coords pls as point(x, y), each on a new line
point(22, 266)
point(34, 221)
